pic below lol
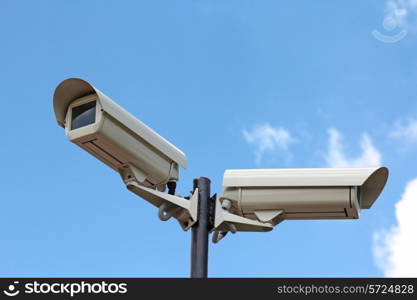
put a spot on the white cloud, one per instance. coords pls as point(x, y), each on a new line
point(395, 249)
point(336, 157)
point(406, 132)
point(267, 139)
point(401, 13)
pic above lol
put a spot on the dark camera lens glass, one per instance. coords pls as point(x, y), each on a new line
point(83, 115)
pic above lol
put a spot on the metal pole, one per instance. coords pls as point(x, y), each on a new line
point(201, 230)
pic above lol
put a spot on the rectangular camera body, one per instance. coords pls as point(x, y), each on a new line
point(114, 136)
point(281, 194)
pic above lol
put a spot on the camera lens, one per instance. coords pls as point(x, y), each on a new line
point(83, 115)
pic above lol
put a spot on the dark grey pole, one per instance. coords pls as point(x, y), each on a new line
point(201, 230)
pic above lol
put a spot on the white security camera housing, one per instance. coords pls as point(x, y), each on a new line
point(273, 195)
point(107, 131)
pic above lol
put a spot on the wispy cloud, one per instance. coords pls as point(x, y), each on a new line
point(405, 131)
point(395, 249)
point(266, 138)
point(402, 12)
point(336, 158)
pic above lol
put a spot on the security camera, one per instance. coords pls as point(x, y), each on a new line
point(107, 131)
point(251, 200)
point(270, 196)
point(146, 161)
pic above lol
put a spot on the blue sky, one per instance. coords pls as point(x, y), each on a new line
point(234, 84)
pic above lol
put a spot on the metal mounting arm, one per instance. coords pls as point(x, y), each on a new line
point(225, 221)
point(184, 210)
